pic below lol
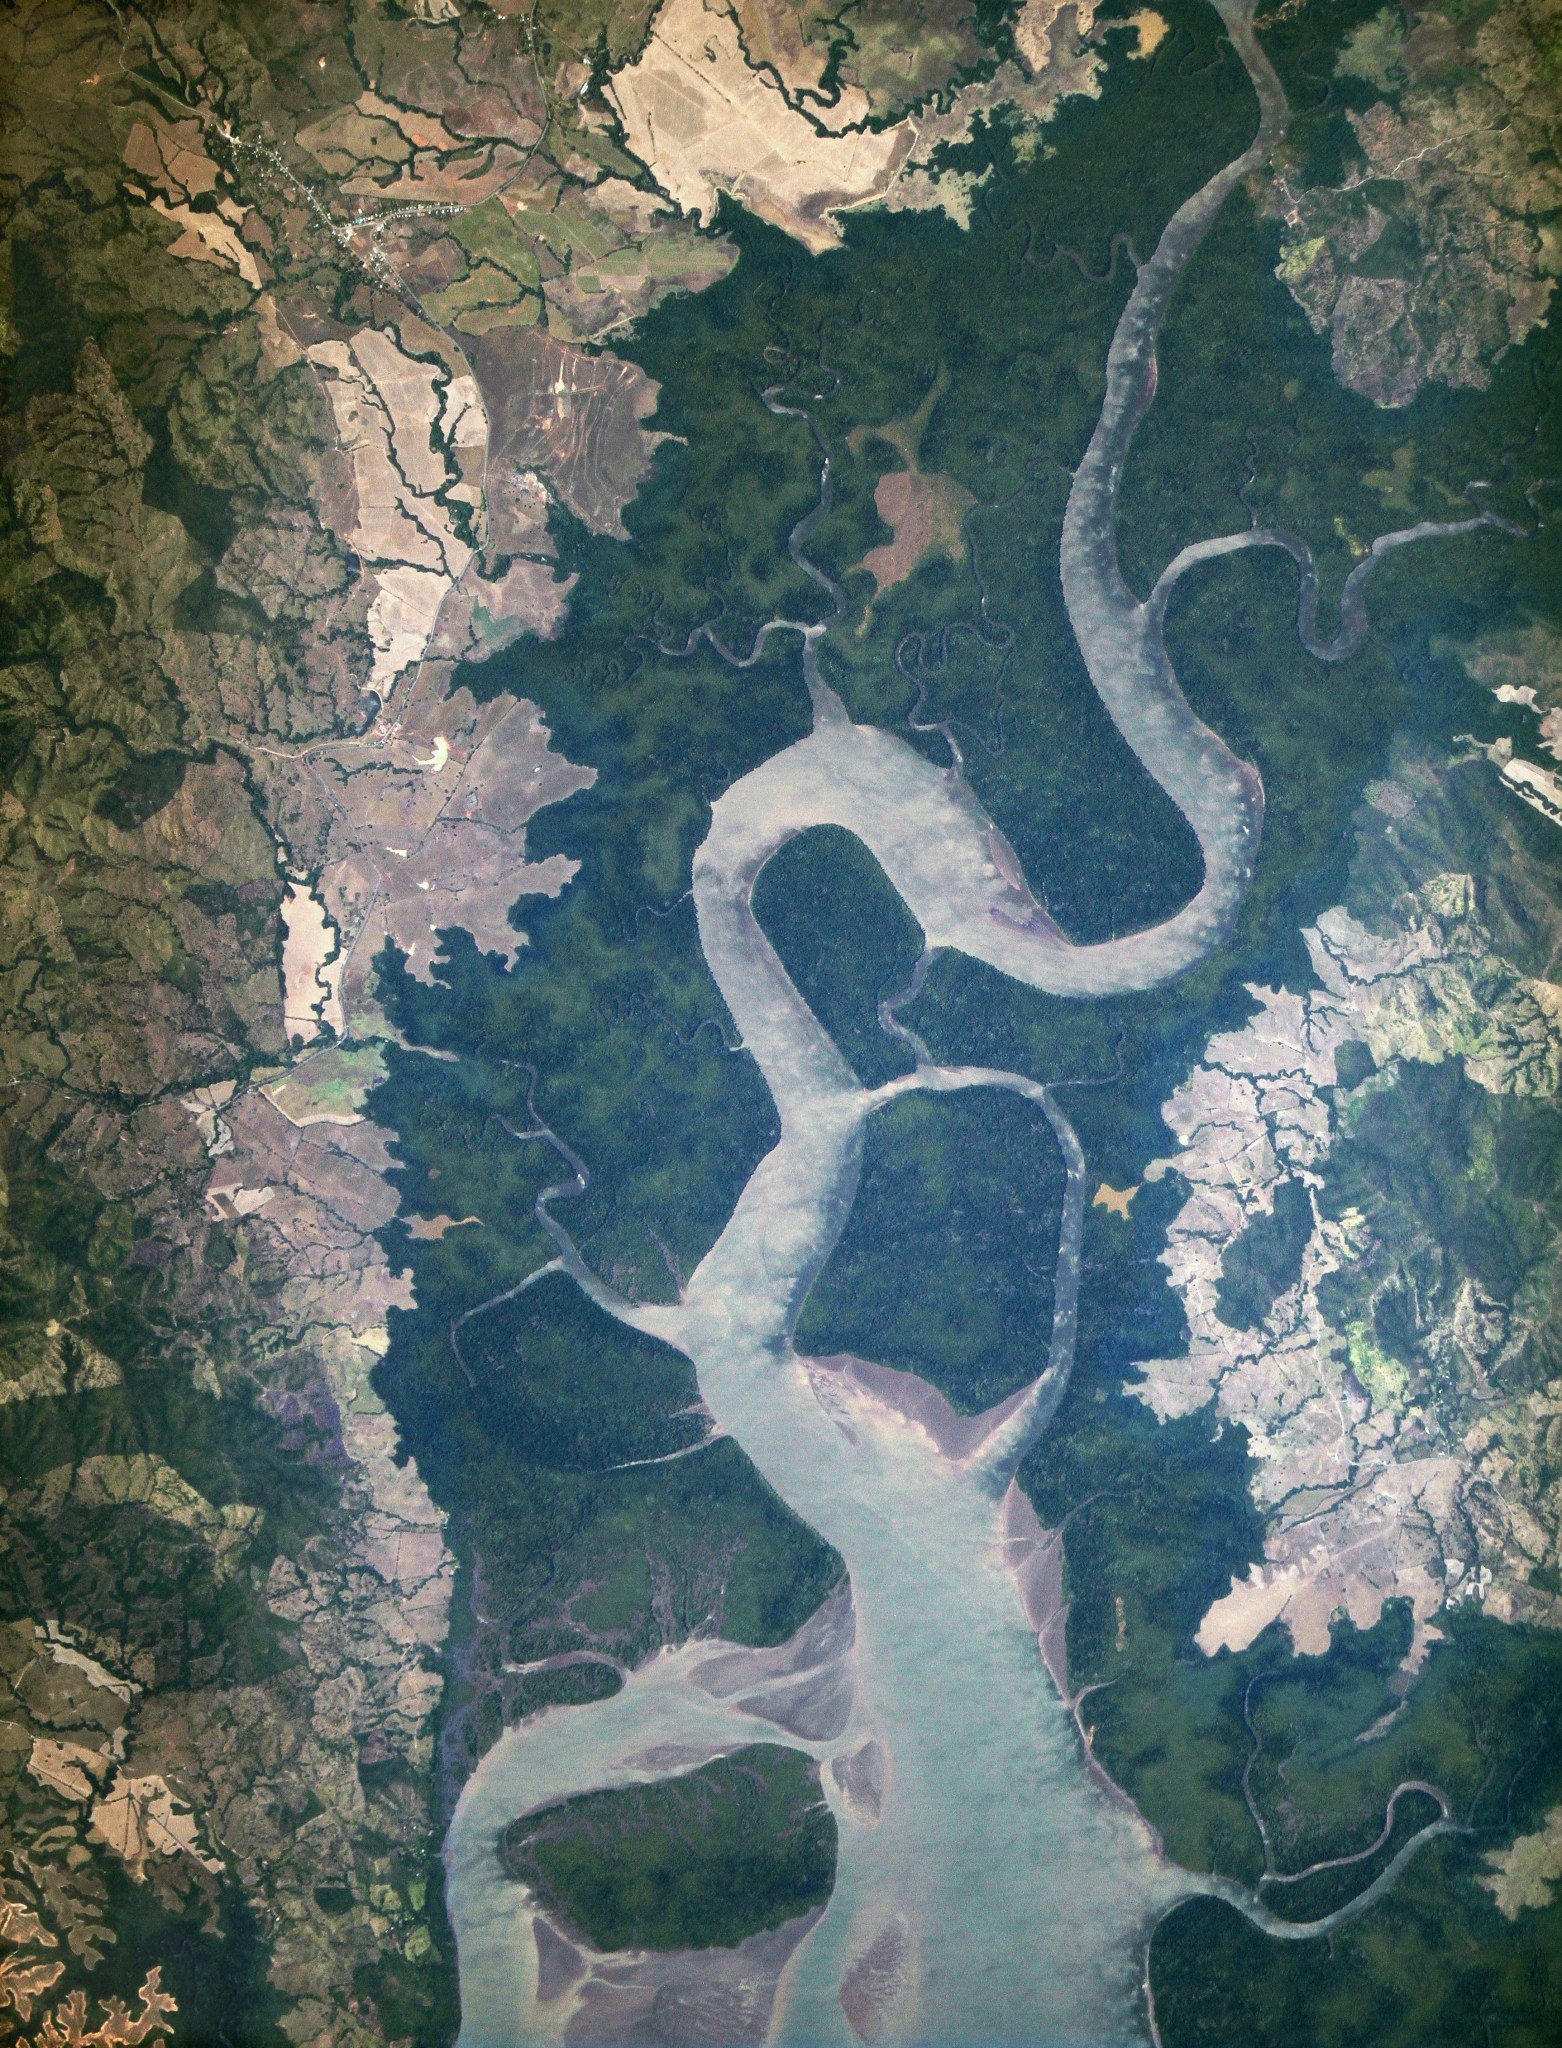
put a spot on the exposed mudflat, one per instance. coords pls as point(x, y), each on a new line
point(992, 1885)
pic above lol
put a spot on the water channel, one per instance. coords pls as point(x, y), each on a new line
point(991, 1886)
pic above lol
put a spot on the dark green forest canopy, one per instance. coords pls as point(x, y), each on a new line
point(845, 938)
point(532, 1414)
point(635, 1061)
point(699, 1861)
point(945, 1267)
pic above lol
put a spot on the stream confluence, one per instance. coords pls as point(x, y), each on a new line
point(990, 1886)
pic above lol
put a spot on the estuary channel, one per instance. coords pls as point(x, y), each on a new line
point(991, 1886)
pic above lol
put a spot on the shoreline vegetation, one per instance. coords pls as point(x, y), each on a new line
point(397, 491)
point(1339, 650)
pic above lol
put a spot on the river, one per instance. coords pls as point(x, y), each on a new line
point(991, 1886)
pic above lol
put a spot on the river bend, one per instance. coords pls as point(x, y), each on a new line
point(991, 1886)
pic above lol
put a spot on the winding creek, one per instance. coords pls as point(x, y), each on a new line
point(992, 1886)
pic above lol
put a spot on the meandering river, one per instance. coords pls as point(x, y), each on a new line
point(991, 1888)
